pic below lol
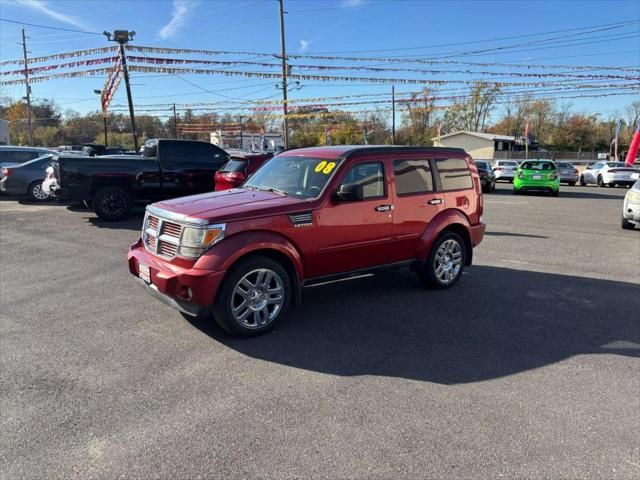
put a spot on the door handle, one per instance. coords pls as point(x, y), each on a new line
point(384, 208)
point(435, 201)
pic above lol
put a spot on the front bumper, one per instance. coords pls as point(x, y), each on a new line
point(631, 212)
point(189, 290)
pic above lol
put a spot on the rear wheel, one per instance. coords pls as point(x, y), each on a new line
point(445, 263)
point(36, 193)
point(555, 193)
point(571, 184)
point(582, 182)
point(111, 203)
point(254, 297)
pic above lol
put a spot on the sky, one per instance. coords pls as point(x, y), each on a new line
point(420, 28)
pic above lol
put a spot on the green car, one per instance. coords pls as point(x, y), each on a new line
point(537, 176)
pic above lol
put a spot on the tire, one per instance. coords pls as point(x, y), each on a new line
point(572, 184)
point(555, 194)
point(600, 182)
point(111, 203)
point(627, 225)
point(516, 192)
point(87, 204)
point(245, 316)
point(582, 182)
point(450, 250)
point(35, 192)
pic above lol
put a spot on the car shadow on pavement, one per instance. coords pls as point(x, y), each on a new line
point(511, 234)
point(564, 193)
point(132, 222)
point(495, 322)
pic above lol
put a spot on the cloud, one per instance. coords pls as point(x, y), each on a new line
point(304, 45)
point(43, 7)
point(352, 3)
point(182, 10)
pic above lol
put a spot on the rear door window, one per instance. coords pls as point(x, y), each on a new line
point(412, 176)
point(454, 173)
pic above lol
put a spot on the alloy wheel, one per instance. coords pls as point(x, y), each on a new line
point(257, 298)
point(38, 193)
point(448, 261)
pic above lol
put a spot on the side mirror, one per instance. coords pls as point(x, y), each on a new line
point(350, 192)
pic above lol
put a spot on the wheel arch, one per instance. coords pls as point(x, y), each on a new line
point(224, 256)
point(450, 220)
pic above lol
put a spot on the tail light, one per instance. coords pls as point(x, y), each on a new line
point(497, 169)
point(520, 175)
point(575, 171)
point(6, 172)
point(553, 175)
point(227, 180)
point(613, 170)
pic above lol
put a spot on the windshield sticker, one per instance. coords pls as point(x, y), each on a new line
point(325, 167)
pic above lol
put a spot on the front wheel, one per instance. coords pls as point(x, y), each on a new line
point(36, 193)
point(627, 225)
point(445, 263)
point(582, 181)
point(111, 203)
point(254, 297)
point(601, 182)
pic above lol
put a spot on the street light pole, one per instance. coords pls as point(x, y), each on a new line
point(122, 37)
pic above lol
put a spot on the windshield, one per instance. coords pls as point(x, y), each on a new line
point(564, 165)
point(537, 166)
point(481, 164)
point(508, 164)
point(302, 177)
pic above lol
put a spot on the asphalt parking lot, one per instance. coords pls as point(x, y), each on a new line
point(529, 367)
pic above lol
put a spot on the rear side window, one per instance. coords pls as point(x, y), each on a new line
point(234, 166)
point(454, 173)
point(412, 176)
point(203, 153)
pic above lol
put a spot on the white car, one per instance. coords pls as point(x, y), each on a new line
point(608, 174)
point(505, 169)
point(631, 207)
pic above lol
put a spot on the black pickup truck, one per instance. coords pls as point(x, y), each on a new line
point(110, 184)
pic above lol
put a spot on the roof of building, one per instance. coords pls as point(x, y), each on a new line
point(486, 136)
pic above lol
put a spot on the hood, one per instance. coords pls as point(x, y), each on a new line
point(233, 204)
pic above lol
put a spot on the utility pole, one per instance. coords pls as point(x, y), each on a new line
point(175, 122)
point(241, 134)
point(27, 86)
point(393, 113)
point(285, 123)
point(122, 37)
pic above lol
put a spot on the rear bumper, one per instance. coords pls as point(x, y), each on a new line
point(188, 290)
point(476, 232)
point(536, 185)
point(7, 187)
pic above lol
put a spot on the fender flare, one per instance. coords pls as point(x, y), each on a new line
point(440, 222)
point(224, 255)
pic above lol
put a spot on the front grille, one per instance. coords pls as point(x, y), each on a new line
point(171, 229)
point(167, 250)
point(161, 236)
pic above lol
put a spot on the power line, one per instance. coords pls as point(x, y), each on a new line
point(49, 27)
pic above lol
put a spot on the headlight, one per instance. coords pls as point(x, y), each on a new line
point(633, 196)
point(195, 241)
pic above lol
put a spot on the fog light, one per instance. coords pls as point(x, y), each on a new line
point(185, 292)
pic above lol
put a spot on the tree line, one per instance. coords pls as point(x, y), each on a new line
point(556, 126)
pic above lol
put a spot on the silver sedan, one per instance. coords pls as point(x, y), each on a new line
point(568, 173)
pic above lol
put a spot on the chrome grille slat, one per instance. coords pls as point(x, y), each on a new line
point(161, 236)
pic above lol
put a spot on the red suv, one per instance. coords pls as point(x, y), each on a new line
point(308, 216)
